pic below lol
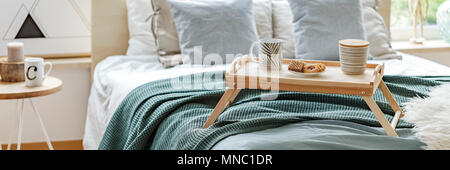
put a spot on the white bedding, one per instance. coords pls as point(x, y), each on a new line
point(116, 76)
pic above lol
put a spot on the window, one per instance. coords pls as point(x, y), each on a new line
point(401, 20)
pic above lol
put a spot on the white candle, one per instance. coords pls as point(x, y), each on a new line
point(15, 52)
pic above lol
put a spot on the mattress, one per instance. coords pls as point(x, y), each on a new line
point(116, 76)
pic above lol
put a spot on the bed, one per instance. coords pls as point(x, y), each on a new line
point(116, 75)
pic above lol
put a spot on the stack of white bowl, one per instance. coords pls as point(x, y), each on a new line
point(353, 55)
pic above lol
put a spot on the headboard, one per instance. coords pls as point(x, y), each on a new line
point(110, 27)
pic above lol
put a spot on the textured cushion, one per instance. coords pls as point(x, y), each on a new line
point(375, 28)
point(141, 40)
point(229, 28)
point(320, 24)
point(282, 26)
point(262, 9)
point(164, 28)
point(166, 33)
point(377, 35)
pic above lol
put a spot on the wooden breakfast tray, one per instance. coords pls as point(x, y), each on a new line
point(245, 73)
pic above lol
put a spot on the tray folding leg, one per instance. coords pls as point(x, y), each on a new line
point(394, 105)
point(388, 127)
point(380, 116)
point(224, 102)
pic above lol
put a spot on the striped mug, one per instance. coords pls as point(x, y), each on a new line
point(269, 53)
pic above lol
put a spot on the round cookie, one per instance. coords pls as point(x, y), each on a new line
point(296, 66)
point(312, 68)
point(322, 67)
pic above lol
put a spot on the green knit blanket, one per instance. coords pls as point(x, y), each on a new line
point(169, 114)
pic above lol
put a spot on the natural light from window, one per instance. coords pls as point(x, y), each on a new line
point(401, 20)
point(401, 15)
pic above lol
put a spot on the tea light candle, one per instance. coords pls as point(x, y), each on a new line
point(15, 52)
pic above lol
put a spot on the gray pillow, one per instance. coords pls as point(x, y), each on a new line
point(377, 34)
point(320, 24)
point(220, 27)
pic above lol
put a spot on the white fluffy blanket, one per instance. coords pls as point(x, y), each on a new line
point(431, 117)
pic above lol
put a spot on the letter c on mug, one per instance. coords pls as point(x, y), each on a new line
point(28, 72)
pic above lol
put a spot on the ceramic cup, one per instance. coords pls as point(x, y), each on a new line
point(269, 53)
point(353, 55)
point(35, 71)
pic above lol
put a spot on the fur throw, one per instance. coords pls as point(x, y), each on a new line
point(431, 117)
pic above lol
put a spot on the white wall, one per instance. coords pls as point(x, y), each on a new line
point(64, 23)
point(63, 113)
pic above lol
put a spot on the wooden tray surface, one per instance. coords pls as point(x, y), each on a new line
point(332, 77)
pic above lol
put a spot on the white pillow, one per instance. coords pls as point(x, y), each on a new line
point(376, 32)
point(262, 9)
point(142, 41)
point(282, 26)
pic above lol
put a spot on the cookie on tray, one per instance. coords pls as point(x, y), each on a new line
point(296, 66)
point(312, 68)
point(322, 67)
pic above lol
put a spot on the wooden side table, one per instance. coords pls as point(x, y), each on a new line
point(20, 92)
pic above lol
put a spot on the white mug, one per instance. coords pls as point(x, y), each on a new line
point(34, 71)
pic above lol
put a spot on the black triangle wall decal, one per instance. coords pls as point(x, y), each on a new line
point(29, 29)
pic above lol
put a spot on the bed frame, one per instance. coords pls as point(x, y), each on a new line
point(110, 27)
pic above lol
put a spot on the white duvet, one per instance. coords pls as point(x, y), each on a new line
point(116, 76)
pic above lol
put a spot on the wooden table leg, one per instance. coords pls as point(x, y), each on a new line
point(380, 116)
point(225, 101)
point(387, 94)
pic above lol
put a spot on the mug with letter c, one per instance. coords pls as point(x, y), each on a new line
point(35, 71)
